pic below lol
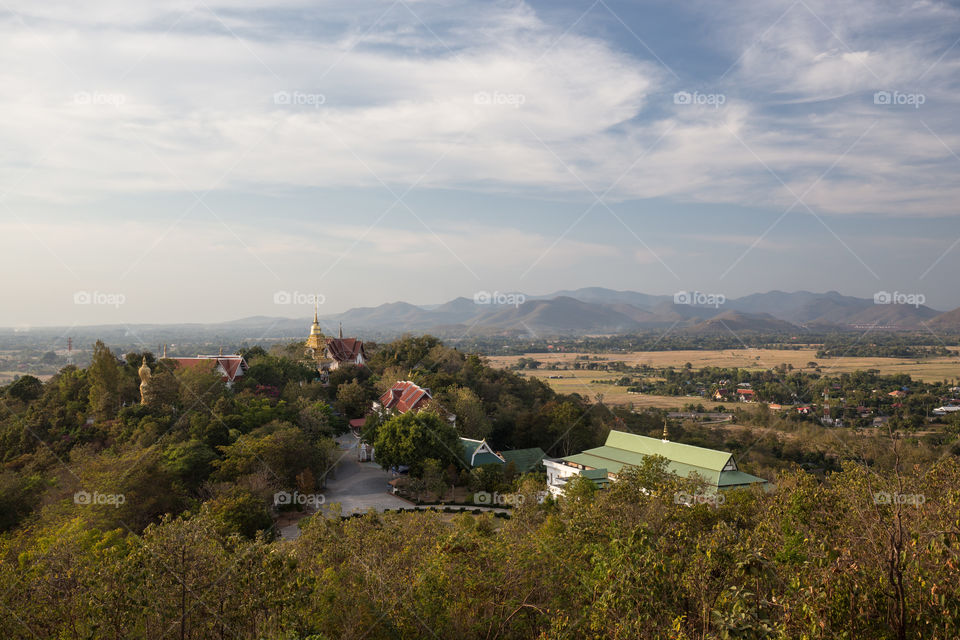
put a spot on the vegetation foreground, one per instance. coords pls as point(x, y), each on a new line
point(175, 535)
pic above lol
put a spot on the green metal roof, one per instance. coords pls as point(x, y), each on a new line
point(524, 459)
point(683, 453)
point(626, 449)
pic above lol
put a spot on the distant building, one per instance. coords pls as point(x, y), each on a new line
point(602, 464)
point(230, 367)
point(946, 409)
point(745, 395)
point(341, 351)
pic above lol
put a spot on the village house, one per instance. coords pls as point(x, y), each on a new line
point(745, 395)
point(717, 469)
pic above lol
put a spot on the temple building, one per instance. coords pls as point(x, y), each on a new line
point(341, 351)
point(717, 469)
point(230, 367)
point(316, 341)
point(332, 353)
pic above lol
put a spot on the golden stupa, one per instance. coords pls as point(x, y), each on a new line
point(317, 341)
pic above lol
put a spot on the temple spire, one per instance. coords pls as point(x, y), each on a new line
point(664, 430)
point(316, 312)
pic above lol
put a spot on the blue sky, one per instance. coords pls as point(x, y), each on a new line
point(194, 159)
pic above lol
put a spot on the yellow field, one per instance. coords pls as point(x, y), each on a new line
point(581, 382)
point(578, 381)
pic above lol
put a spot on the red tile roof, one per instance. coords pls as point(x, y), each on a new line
point(405, 396)
point(345, 349)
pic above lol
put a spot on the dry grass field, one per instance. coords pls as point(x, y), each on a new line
point(583, 382)
point(579, 381)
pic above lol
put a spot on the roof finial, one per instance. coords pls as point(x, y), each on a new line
point(316, 311)
point(221, 350)
point(664, 430)
point(340, 334)
point(164, 351)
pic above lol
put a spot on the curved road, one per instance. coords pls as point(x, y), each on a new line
point(361, 486)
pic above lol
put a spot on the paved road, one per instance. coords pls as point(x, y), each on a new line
point(359, 487)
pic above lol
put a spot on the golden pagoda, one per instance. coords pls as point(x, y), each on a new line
point(317, 341)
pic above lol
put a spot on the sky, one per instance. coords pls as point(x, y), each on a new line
point(189, 161)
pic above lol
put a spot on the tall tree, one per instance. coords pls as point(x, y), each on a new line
point(104, 375)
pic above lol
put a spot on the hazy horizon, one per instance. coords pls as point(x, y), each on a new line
point(176, 163)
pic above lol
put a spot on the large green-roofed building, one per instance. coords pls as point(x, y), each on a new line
point(717, 468)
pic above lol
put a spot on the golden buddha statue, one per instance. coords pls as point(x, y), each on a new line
point(144, 372)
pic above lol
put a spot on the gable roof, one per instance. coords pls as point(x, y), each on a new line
point(345, 349)
point(477, 453)
point(404, 396)
point(232, 366)
point(717, 468)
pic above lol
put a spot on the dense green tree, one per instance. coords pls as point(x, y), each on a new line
point(411, 438)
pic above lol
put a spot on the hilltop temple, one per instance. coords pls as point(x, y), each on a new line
point(332, 353)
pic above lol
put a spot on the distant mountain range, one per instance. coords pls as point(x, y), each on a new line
point(595, 311)
point(580, 312)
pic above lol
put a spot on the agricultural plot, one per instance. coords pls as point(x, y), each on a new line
point(565, 379)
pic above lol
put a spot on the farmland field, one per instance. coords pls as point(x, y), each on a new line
point(579, 381)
